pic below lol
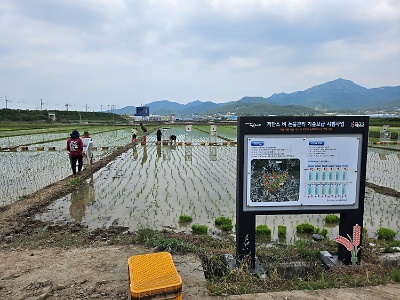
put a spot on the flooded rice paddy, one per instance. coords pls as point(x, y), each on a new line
point(150, 186)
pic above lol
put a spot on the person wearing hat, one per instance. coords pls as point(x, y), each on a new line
point(75, 150)
point(144, 132)
point(87, 147)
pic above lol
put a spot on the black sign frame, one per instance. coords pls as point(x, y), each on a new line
point(298, 126)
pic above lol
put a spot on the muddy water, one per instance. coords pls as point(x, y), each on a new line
point(151, 186)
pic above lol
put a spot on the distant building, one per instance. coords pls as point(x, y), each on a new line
point(52, 116)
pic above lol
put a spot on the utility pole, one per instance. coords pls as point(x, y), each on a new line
point(67, 105)
point(7, 100)
point(101, 108)
point(112, 111)
point(87, 107)
point(41, 104)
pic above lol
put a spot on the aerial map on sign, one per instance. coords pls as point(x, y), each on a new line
point(275, 180)
point(307, 170)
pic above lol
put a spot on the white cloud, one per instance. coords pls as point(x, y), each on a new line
point(132, 52)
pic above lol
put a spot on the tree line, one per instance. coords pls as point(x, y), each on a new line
point(61, 116)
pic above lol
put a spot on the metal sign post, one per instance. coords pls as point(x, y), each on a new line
point(188, 135)
point(300, 165)
point(213, 135)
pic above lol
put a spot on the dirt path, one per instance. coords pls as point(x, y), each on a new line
point(101, 273)
point(83, 273)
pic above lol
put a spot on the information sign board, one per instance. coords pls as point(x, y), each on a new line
point(300, 172)
point(301, 164)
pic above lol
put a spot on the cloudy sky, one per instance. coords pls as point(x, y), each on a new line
point(96, 54)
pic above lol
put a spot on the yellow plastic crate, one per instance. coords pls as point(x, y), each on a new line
point(153, 276)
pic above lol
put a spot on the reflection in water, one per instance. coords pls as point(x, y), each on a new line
point(188, 153)
point(213, 153)
point(158, 150)
point(144, 158)
point(188, 136)
point(167, 153)
point(80, 198)
point(135, 153)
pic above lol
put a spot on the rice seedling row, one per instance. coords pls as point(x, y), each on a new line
point(152, 185)
point(195, 180)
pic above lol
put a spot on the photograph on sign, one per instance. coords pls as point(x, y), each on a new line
point(311, 170)
point(275, 180)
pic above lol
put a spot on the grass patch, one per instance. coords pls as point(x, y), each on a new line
point(332, 219)
point(263, 231)
point(73, 181)
point(395, 275)
point(385, 234)
point(224, 222)
point(282, 230)
point(199, 229)
point(323, 231)
point(185, 219)
point(152, 238)
point(305, 228)
point(221, 279)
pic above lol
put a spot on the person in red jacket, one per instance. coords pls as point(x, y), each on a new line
point(75, 150)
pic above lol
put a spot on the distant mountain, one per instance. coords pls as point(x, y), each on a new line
point(389, 106)
point(127, 110)
point(339, 94)
point(336, 95)
point(245, 106)
point(261, 109)
point(198, 107)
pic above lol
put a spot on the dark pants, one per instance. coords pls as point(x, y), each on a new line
point(75, 159)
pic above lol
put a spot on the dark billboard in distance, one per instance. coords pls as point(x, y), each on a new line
point(142, 111)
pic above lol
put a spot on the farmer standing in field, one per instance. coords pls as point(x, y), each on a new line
point(134, 134)
point(87, 147)
point(159, 134)
point(75, 150)
point(144, 132)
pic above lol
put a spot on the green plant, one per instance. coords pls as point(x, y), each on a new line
point(224, 222)
point(305, 228)
point(322, 231)
point(199, 229)
point(227, 226)
point(73, 181)
point(152, 238)
point(385, 234)
point(330, 219)
point(185, 219)
point(263, 230)
point(282, 231)
point(306, 249)
point(395, 243)
point(396, 275)
point(222, 219)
